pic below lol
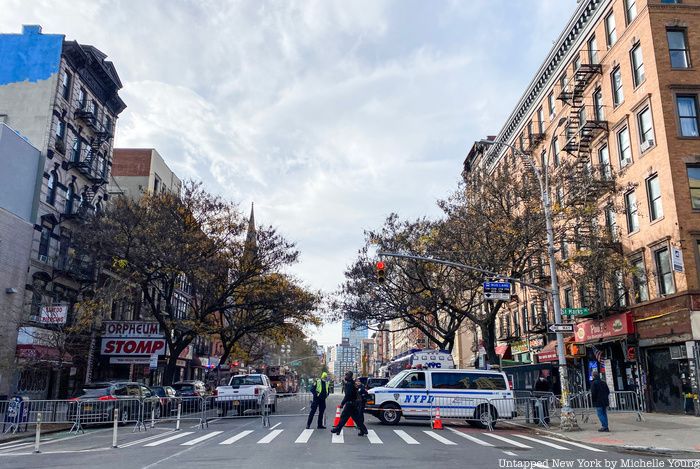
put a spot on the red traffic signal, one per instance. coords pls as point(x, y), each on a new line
point(380, 273)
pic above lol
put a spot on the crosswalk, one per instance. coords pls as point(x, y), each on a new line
point(454, 438)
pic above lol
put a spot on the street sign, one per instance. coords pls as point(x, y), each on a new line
point(562, 328)
point(497, 291)
point(574, 311)
point(295, 363)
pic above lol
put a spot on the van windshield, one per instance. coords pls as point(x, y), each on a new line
point(393, 382)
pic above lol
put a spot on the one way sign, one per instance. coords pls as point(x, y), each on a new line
point(561, 328)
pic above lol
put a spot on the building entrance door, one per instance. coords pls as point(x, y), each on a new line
point(664, 381)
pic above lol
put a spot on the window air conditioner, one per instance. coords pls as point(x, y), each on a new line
point(647, 144)
point(625, 162)
point(43, 258)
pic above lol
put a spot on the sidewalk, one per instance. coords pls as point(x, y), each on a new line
point(657, 433)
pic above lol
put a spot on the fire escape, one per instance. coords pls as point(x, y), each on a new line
point(586, 182)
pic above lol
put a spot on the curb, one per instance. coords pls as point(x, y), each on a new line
point(641, 449)
point(29, 435)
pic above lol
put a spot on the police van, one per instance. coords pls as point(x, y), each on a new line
point(476, 396)
point(426, 358)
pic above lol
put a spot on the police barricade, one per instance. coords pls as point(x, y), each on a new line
point(581, 404)
point(626, 402)
point(245, 404)
point(83, 412)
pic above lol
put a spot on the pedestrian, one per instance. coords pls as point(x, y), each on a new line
point(688, 396)
point(600, 398)
point(320, 393)
point(362, 396)
point(349, 404)
point(542, 394)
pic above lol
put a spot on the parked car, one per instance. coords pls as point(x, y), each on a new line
point(192, 392)
point(167, 397)
point(246, 394)
point(376, 382)
point(96, 402)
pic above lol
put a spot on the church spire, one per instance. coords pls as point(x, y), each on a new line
point(250, 250)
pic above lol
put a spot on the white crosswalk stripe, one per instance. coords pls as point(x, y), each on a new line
point(573, 443)
point(517, 444)
point(439, 438)
point(406, 437)
point(546, 443)
point(470, 438)
point(202, 438)
point(236, 437)
point(338, 438)
point(270, 436)
point(304, 437)
point(170, 438)
point(374, 438)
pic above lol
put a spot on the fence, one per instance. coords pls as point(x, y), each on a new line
point(620, 402)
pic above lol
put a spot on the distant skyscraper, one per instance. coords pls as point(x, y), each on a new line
point(354, 334)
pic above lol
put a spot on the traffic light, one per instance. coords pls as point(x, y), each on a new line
point(380, 273)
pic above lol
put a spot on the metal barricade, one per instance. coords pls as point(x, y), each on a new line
point(626, 402)
point(244, 405)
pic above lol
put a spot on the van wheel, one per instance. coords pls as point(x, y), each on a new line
point(482, 415)
point(390, 414)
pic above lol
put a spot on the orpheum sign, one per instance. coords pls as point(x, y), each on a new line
point(617, 325)
point(132, 338)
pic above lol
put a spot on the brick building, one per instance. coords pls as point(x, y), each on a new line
point(619, 92)
point(63, 97)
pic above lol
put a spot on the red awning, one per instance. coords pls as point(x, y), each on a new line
point(42, 353)
point(504, 352)
point(549, 352)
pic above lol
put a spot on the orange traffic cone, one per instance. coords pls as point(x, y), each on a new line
point(437, 421)
point(350, 423)
point(336, 420)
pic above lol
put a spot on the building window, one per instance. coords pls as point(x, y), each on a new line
point(671, 1)
point(156, 182)
point(623, 147)
point(555, 146)
point(637, 64)
point(678, 48)
point(593, 50)
point(66, 81)
point(620, 290)
point(639, 281)
point(564, 247)
point(694, 183)
point(646, 128)
point(540, 120)
point(577, 62)
point(51, 188)
point(598, 105)
point(611, 223)
point(631, 212)
point(60, 130)
point(568, 298)
point(656, 210)
point(70, 195)
point(44, 241)
point(604, 161)
point(688, 115)
point(552, 106)
point(664, 272)
point(610, 31)
point(630, 10)
point(82, 98)
point(563, 82)
point(75, 151)
point(618, 94)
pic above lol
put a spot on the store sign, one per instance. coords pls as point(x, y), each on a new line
point(132, 338)
point(612, 326)
point(116, 346)
point(524, 346)
point(128, 360)
point(53, 314)
point(139, 329)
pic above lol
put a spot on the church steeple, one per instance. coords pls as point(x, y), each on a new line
point(250, 250)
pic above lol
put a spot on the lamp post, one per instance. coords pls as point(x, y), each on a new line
point(568, 418)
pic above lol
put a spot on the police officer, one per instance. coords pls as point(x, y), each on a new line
point(362, 396)
point(320, 393)
point(349, 404)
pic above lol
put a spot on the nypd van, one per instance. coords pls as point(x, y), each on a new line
point(476, 396)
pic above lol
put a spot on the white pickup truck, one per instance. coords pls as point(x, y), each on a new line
point(246, 394)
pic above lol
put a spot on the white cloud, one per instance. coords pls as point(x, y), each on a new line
point(328, 114)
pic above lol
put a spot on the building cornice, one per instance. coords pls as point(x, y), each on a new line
point(580, 24)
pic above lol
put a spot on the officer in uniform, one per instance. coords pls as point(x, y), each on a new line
point(320, 393)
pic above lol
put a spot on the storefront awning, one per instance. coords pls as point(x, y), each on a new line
point(549, 353)
point(503, 351)
point(610, 328)
point(42, 353)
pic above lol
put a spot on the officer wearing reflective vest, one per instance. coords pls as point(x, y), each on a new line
point(320, 393)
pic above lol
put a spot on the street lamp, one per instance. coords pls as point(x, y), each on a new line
point(568, 418)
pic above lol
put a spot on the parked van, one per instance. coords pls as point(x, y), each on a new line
point(460, 394)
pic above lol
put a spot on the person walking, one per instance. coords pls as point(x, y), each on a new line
point(600, 399)
point(362, 396)
point(543, 391)
point(320, 392)
point(349, 405)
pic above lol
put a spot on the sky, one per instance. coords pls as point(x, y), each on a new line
point(328, 114)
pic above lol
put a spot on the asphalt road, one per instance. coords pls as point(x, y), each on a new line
point(244, 442)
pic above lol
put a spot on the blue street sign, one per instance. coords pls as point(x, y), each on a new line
point(496, 286)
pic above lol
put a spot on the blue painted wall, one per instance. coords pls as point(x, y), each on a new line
point(30, 56)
